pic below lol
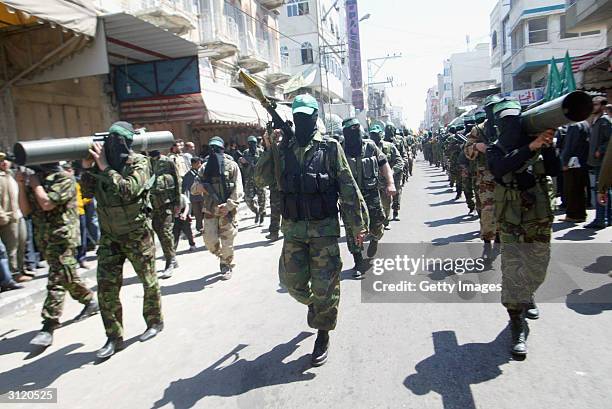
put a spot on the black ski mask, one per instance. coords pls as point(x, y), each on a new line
point(352, 141)
point(118, 143)
point(305, 127)
point(375, 136)
point(389, 133)
point(511, 136)
point(252, 147)
point(490, 131)
point(215, 162)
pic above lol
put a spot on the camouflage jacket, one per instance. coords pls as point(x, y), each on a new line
point(352, 204)
point(166, 189)
point(475, 136)
point(230, 193)
point(248, 168)
point(61, 224)
point(122, 197)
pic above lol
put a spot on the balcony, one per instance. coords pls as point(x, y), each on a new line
point(254, 58)
point(176, 16)
point(280, 75)
point(219, 37)
point(272, 4)
point(583, 14)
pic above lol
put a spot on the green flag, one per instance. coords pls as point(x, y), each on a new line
point(553, 89)
point(568, 83)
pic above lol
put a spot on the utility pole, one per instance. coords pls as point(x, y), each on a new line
point(374, 67)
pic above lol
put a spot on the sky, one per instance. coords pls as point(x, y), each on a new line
point(425, 33)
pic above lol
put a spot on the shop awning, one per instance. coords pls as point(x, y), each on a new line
point(602, 56)
point(132, 40)
point(79, 16)
point(227, 104)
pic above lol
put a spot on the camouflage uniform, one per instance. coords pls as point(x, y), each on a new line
point(485, 183)
point(251, 189)
point(57, 236)
point(165, 197)
point(123, 214)
point(370, 193)
point(398, 141)
point(220, 231)
point(275, 208)
point(466, 170)
point(454, 171)
point(310, 263)
point(397, 166)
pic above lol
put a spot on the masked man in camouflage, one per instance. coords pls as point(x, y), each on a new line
point(367, 162)
point(313, 174)
point(165, 198)
point(49, 196)
point(396, 163)
point(220, 183)
point(467, 168)
point(521, 164)
point(120, 181)
point(247, 164)
point(398, 141)
point(479, 139)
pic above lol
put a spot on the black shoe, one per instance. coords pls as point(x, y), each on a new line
point(112, 345)
point(372, 248)
point(152, 331)
point(319, 353)
point(458, 196)
point(396, 215)
point(471, 209)
point(357, 269)
point(272, 236)
point(90, 309)
point(262, 216)
point(387, 227)
point(518, 327)
point(226, 272)
point(531, 310)
point(11, 285)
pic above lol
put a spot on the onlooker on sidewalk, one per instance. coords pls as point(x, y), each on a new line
point(598, 142)
point(182, 223)
point(6, 279)
point(13, 229)
point(574, 157)
point(32, 256)
point(82, 248)
point(93, 228)
point(176, 154)
point(195, 200)
point(605, 177)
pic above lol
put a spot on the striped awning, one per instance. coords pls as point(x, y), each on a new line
point(188, 107)
point(577, 62)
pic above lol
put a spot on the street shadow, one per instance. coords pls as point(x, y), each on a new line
point(20, 343)
point(442, 192)
point(191, 286)
point(453, 368)
point(43, 372)
point(590, 302)
point(232, 375)
point(249, 227)
point(602, 265)
point(579, 234)
point(444, 203)
point(261, 243)
point(558, 226)
point(442, 186)
point(453, 220)
point(187, 251)
point(457, 238)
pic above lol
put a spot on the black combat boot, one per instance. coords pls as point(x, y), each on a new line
point(44, 338)
point(91, 308)
point(358, 258)
point(226, 272)
point(396, 215)
point(372, 248)
point(319, 353)
point(262, 216)
point(273, 236)
point(518, 326)
point(531, 310)
point(152, 331)
point(112, 345)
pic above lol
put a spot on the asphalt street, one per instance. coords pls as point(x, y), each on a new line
point(244, 343)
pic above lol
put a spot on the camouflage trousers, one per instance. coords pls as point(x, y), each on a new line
point(467, 184)
point(139, 248)
point(219, 234)
point(163, 223)
point(385, 202)
point(485, 183)
point(275, 210)
point(525, 254)
point(454, 176)
point(310, 270)
point(398, 197)
point(62, 276)
point(252, 192)
point(377, 221)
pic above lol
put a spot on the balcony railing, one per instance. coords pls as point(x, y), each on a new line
point(186, 6)
point(218, 29)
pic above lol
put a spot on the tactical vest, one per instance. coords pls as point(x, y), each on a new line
point(163, 191)
point(365, 169)
point(118, 216)
point(219, 188)
point(308, 192)
point(516, 206)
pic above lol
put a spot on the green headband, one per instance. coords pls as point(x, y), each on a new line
point(119, 130)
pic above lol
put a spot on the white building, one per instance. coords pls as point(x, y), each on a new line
point(469, 66)
point(315, 40)
point(534, 31)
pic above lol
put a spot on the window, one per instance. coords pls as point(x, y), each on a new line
point(538, 30)
point(297, 8)
point(564, 34)
point(307, 57)
point(284, 51)
point(518, 38)
point(494, 40)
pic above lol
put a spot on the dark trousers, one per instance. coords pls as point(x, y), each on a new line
point(574, 188)
point(196, 211)
point(32, 256)
point(185, 227)
point(82, 249)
